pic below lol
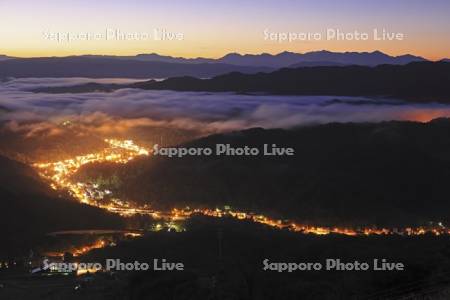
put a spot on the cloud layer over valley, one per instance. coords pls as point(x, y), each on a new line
point(31, 113)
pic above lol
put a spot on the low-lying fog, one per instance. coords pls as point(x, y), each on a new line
point(31, 113)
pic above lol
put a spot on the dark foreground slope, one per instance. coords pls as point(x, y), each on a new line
point(419, 81)
point(392, 173)
point(237, 271)
point(29, 209)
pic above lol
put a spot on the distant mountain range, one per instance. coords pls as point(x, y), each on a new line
point(283, 59)
point(105, 67)
point(158, 66)
point(286, 59)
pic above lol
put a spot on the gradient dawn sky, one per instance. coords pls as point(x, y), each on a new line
point(213, 28)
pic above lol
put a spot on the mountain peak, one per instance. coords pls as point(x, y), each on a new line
point(379, 53)
point(232, 54)
point(4, 57)
point(286, 53)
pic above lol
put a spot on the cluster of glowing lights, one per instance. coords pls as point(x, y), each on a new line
point(60, 172)
point(79, 251)
point(85, 249)
point(434, 229)
point(118, 151)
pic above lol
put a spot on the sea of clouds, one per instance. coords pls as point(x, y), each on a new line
point(23, 110)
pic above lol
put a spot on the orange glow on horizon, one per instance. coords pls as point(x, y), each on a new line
point(425, 115)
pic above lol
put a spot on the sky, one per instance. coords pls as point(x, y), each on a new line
point(205, 28)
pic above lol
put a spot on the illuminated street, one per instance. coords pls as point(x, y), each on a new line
point(121, 152)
